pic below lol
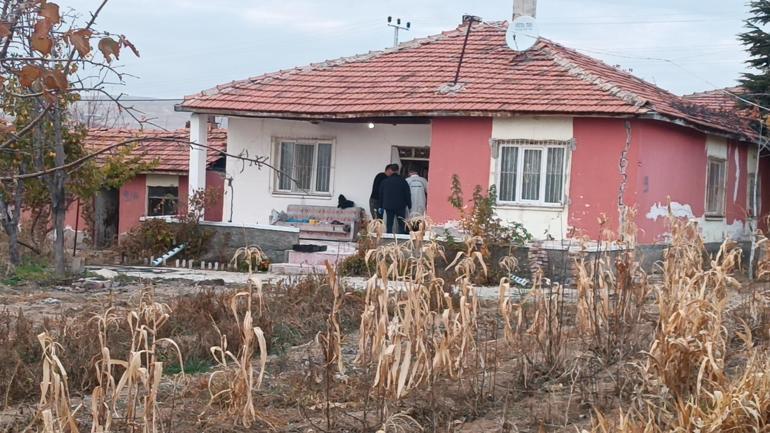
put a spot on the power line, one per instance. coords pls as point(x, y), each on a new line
point(692, 74)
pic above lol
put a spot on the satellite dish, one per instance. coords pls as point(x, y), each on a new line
point(522, 33)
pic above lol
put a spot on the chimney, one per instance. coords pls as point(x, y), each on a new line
point(524, 7)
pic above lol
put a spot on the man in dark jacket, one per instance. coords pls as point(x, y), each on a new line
point(396, 197)
point(375, 202)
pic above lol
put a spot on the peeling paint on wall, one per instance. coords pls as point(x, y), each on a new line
point(737, 174)
point(660, 210)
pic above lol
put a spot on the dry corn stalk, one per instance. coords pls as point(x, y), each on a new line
point(237, 395)
point(143, 370)
point(331, 341)
point(55, 406)
point(410, 327)
point(104, 393)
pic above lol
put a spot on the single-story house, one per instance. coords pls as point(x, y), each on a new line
point(161, 191)
point(564, 137)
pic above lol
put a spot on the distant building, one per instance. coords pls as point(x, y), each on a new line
point(160, 192)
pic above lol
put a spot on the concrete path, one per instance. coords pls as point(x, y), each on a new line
point(241, 278)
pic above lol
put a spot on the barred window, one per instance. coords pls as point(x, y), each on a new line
point(531, 173)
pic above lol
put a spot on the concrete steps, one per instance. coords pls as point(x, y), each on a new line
point(319, 258)
point(296, 269)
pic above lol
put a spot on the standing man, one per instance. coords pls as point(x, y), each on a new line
point(396, 198)
point(375, 201)
point(418, 186)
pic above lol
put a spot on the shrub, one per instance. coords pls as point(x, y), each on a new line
point(482, 220)
point(154, 237)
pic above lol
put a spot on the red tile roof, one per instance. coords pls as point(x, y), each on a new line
point(716, 100)
point(156, 147)
point(414, 80)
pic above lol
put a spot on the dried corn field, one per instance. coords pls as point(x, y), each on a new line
point(681, 349)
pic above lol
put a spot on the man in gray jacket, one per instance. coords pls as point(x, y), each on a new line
point(418, 185)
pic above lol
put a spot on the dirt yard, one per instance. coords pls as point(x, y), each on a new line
point(327, 354)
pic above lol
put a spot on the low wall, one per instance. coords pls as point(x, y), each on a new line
point(227, 238)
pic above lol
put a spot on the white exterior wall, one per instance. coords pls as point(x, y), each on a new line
point(358, 154)
point(540, 221)
point(161, 180)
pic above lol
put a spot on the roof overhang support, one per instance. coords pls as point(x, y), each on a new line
point(199, 133)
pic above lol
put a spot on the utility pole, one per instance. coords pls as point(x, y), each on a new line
point(396, 27)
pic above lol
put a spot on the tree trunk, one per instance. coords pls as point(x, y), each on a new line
point(10, 221)
point(59, 213)
point(56, 189)
point(14, 256)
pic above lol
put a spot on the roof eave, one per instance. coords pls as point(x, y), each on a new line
point(390, 114)
point(653, 115)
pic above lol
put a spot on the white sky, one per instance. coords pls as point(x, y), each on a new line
point(191, 45)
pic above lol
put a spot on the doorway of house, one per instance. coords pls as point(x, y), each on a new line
point(106, 217)
point(414, 158)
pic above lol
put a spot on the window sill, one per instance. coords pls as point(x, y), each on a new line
point(714, 217)
point(167, 218)
point(532, 206)
point(301, 195)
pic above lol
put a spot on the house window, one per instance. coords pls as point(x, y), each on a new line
point(531, 174)
point(751, 199)
point(305, 167)
point(715, 187)
point(162, 200)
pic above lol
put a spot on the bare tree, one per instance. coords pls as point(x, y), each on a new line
point(46, 61)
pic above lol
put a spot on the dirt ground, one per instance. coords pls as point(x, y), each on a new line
point(516, 395)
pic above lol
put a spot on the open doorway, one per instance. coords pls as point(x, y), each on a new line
point(414, 158)
point(106, 217)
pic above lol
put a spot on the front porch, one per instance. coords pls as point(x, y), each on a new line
point(311, 163)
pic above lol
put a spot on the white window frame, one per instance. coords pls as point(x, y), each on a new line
point(543, 146)
point(277, 143)
point(721, 212)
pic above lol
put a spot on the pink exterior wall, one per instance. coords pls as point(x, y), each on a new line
point(458, 146)
point(666, 162)
point(595, 177)
point(133, 203)
point(764, 192)
point(215, 181)
point(672, 165)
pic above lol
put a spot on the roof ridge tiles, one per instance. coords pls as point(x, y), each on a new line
point(578, 71)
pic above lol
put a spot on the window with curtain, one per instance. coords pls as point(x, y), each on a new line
point(305, 166)
point(715, 187)
point(531, 174)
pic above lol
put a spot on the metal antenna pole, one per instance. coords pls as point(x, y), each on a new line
point(396, 27)
point(395, 36)
point(471, 20)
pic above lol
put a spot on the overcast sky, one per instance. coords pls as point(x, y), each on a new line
point(190, 45)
